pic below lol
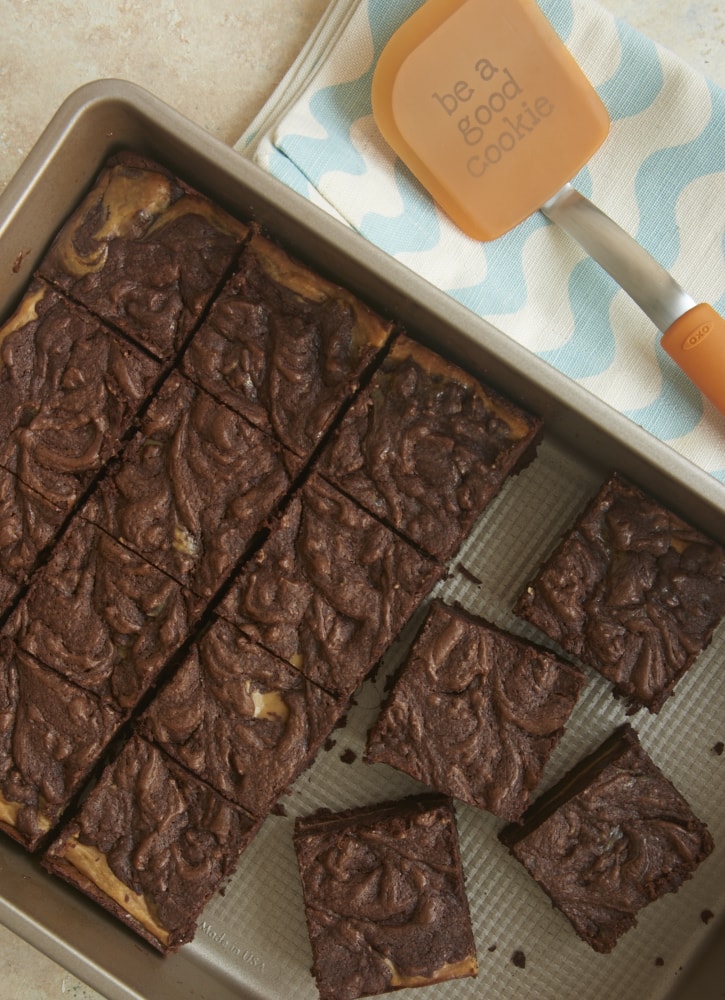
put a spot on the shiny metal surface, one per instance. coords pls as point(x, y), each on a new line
point(652, 287)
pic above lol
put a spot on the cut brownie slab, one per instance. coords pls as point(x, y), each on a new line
point(144, 251)
point(633, 591)
point(385, 898)
point(329, 589)
point(69, 389)
point(608, 839)
point(192, 487)
point(28, 524)
point(426, 447)
point(102, 616)
point(51, 735)
point(283, 346)
point(240, 718)
point(152, 845)
point(475, 712)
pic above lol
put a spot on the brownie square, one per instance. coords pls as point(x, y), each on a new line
point(102, 616)
point(633, 591)
point(385, 898)
point(151, 844)
point(192, 488)
point(329, 589)
point(426, 447)
point(144, 251)
point(51, 734)
point(475, 712)
point(608, 839)
point(28, 524)
point(69, 389)
point(283, 346)
point(240, 718)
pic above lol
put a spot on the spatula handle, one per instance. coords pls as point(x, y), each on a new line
point(694, 335)
point(696, 341)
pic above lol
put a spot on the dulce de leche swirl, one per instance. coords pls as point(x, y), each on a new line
point(152, 844)
point(144, 252)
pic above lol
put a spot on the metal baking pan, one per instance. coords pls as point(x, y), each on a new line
point(251, 941)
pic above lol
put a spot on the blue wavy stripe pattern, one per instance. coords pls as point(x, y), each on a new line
point(498, 282)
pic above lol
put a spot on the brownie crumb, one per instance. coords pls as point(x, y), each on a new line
point(278, 809)
point(706, 916)
point(492, 947)
point(329, 743)
point(348, 756)
point(468, 575)
point(719, 748)
point(519, 959)
point(659, 960)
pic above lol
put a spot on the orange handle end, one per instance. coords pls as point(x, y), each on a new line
point(696, 341)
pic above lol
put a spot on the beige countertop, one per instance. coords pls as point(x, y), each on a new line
point(217, 63)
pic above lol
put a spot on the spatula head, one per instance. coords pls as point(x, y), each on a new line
point(487, 107)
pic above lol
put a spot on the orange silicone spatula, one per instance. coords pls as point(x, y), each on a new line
point(490, 111)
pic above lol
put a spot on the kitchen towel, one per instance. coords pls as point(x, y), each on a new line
point(660, 174)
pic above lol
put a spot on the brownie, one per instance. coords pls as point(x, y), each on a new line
point(28, 524)
point(612, 836)
point(426, 447)
point(151, 844)
point(102, 616)
point(283, 346)
point(385, 898)
point(69, 389)
point(240, 718)
point(329, 589)
point(632, 590)
point(192, 488)
point(144, 251)
point(51, 734)
point(475, 712)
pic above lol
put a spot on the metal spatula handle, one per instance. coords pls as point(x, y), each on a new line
point(694, 334)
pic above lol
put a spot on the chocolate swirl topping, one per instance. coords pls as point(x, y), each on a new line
point(633, 591)
point(102, 616)
point(234, 712)
point(193, 487)
point(69, 389)
point(612, 836)
point(384, 898)
point(284, 347)
point(51, 734)
point(28, 523)
point(427, 447)
point(475, 713)
point(329, 589)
